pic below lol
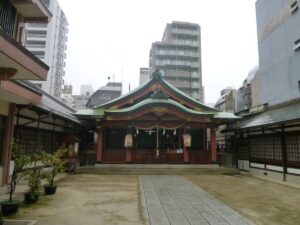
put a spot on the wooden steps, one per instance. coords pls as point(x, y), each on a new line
point(170, 169)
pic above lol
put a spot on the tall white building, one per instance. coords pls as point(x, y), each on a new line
point(48, 42)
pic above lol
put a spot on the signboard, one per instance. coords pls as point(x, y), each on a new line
point(128, 141)
point(187, 140)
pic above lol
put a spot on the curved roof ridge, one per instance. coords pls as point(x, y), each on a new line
point(156, 76)
point(161, 101)
point(187, 96)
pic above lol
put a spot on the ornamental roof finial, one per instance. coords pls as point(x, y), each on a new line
point(156, 74)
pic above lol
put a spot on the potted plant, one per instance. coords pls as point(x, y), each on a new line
point(34, 180)
point(20, 160)
point(55, 165)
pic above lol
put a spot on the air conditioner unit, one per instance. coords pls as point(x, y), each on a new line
point(297, 47)
point(294, 7)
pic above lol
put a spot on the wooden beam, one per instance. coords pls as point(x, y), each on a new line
point(213, 145)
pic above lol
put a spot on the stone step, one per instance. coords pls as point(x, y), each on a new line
point(153, 170)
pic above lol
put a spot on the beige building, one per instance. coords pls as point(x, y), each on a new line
point(178, 58)
point(17, 64)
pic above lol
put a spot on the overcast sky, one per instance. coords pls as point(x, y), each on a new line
point(114, 37)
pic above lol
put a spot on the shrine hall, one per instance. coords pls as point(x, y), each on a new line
point(155, 123)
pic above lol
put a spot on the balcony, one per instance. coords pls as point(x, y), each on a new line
point(32, 10)
point(15, 57)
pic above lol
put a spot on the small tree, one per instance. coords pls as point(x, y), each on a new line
point(21, 160)
point(33, 175)
point(55, 164)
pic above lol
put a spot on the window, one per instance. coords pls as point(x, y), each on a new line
point(8, 14)
point(294, 7)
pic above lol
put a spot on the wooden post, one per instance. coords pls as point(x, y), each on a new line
point(186, 153)
point(213, 145)
point(9, 130)
point(100, 145)
point(235, 147)
point(204, 138)
point(263, 135)
point(284, 153)
point(38, 137)
point(128, 154)
point(53, 144)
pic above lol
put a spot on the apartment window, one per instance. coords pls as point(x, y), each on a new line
point(8, 15)
point(294, 7)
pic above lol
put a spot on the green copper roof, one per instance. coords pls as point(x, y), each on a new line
point(187, 96)
point(159, 102)
point(90, 112)
point(156, 77)
point(157, 99)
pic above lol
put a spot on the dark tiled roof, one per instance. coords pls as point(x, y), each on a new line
point(50, 103)
point(281, 114)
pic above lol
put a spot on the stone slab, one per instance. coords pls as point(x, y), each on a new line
point(174, 200)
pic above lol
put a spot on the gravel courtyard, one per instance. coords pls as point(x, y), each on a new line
point(261, 201)
point(90, 200)
point(114, 199)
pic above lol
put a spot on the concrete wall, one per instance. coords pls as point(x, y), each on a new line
point(256, 90)
point(278, 30)
point(276, 176)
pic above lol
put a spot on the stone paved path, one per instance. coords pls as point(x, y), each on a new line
point(174, 200)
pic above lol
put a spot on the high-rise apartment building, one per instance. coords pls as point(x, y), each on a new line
point(178, 58)
point(48, 43)
point(278, 32)
point(144, 75)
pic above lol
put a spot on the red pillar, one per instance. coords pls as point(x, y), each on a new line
point(128, 155)
point(186, 155)
point(100, 145)
point(8, 136)
point(213, 145)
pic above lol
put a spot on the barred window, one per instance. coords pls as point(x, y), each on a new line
point(277, 148)
point(242, 148)
point(267, 147)
point(293, 148)
point(257, 148)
